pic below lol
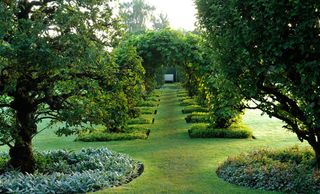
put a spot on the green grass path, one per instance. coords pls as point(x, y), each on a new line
point(174, 163)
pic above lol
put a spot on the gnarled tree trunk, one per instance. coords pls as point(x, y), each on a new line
point(21, 155)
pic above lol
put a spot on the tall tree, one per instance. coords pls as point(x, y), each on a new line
point(270, 50)
point(160, 22)
point(136, 14)
point(54, 65)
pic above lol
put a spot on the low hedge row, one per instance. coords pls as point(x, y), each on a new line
point(69, 172)
point(193, 108)
point(205, 131)
point(147, 110)
point(288, 170)
point(197, 117)
point(188, 102)
point(140, 120)
point(148, 103)
point(131, 133)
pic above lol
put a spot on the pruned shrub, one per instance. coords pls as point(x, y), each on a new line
point(140, 120)
point(197, 117)
point(183, 95)
point(153, 99)
point(193, 108)
point(180, 99)
point(148, 103)
point(288, 170)
point(147, 110)
point(207, 131)
point(69, 172)
point(188, 102)
point(130, 133)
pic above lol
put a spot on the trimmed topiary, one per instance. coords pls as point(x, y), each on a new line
point(288, 170)
point(206, 131)
point(69, 172)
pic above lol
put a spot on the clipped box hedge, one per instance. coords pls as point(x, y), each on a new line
point(140, 120)
point(193, 108)
point(131, 133)
point(147, 110)
point(197, 117)
point(188, 102)
point(149, 103)
point(205, 131)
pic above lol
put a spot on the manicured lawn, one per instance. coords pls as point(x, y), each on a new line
point(174, 163)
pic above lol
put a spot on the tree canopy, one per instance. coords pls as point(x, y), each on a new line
point(139, 16)
point(270, 50)
point(55, 64)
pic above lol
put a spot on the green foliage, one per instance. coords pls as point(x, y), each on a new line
point(153, 99)
point(68, 172)
point(136, 14)
point(270, 56)
point(188, 102)
point(100, 136)
point(160, 22)
point(147, 110)
point(289, 170)
point(206, 131)
point(193, 108)
point(140, 120)
point(198, 117)
point(149, 103)
point(55, 64)
point(131, 75)
point(165, 47)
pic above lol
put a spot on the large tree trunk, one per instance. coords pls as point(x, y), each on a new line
point(21, 155)
point(316, 148)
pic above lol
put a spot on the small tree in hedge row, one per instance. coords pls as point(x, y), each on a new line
point(271, 51)
point(54, 65)
point(131, 75)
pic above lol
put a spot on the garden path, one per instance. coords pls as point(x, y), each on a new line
point(174, 163)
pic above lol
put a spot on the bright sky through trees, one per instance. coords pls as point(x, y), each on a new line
point(181, 13)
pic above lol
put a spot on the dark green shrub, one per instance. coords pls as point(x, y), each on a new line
point(134, 112)
point(188, 102)
point(197, 117)
point(194, 108)
point(206, 131)
point(290, 170)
